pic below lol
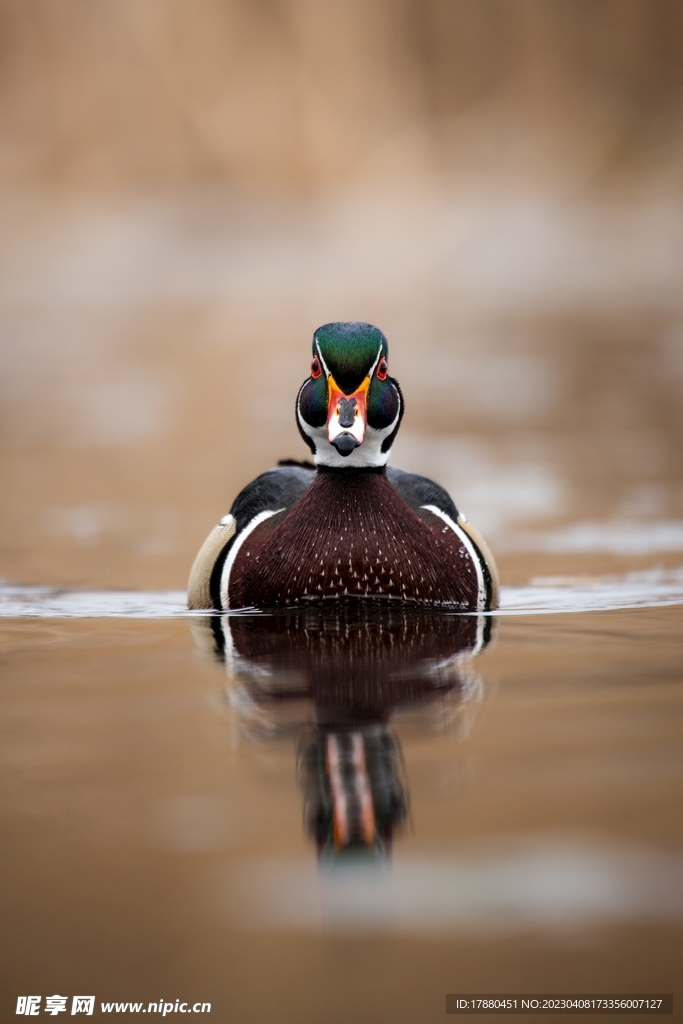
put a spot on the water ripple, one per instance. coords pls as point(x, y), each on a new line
point(552, 595)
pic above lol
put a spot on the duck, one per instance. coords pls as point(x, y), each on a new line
point(344, 526)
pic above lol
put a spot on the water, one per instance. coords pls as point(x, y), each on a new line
point(526, 794)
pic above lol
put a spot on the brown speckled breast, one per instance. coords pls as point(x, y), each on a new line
point(352, 536)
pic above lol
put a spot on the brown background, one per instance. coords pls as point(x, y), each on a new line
point(190, 188)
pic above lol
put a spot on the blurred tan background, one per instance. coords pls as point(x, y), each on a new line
point(188, 189)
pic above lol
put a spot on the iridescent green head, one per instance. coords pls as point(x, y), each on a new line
point(349, 409)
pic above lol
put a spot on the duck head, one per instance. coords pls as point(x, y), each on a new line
point(349, 410)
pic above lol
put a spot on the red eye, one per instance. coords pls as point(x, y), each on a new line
point(315, 368)
point(382, 369)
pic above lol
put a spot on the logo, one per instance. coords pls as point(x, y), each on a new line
point(83, 1004)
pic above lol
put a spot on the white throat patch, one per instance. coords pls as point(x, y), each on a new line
point(366, 455)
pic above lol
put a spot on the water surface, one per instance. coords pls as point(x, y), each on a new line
point(169, 830)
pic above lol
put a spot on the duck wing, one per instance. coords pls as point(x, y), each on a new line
point(276, 490)
point(419, 491)
point(429, 500)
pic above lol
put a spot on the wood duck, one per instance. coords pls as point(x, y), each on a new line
point(346, 527)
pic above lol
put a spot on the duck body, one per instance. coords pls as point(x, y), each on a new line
point(349, 527)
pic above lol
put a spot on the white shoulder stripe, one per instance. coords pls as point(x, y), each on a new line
point(236, 545)
point(481, 586)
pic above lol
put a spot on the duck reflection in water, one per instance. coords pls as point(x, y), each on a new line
point(333, 678)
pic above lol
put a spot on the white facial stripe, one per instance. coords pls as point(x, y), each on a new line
point(372, 368)
point(481, 586)
point(236, 545)
point(320, 357)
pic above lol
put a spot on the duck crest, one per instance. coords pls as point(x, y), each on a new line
point(350, 536)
